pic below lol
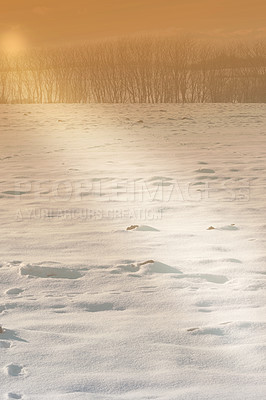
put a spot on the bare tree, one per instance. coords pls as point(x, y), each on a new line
point(143, 70)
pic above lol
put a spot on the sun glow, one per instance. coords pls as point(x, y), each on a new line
point(13, 42)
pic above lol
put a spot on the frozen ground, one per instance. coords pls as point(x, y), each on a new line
point(168, 310)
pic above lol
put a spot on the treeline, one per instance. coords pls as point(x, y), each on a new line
point(143, 70)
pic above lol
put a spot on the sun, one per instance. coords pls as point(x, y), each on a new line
point(13, 42)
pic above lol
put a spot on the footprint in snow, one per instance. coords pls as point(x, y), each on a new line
point(231, 227)
point(7, 334)
point(15, 192)
point(4, 344)
point(205, 171)
point(14, 370)
point(208, 331)
point(99, 307)
point(14, 291)
point(49, 272)
point(14, 396)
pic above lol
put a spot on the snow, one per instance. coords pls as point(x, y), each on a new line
point(171, 309)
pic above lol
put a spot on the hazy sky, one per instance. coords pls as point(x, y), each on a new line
point(39, 22)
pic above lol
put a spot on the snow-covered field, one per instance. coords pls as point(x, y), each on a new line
point(169, 310)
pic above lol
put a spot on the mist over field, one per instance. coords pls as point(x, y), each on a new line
point(137, 70)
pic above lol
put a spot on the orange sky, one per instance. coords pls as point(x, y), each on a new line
point(41, 22)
